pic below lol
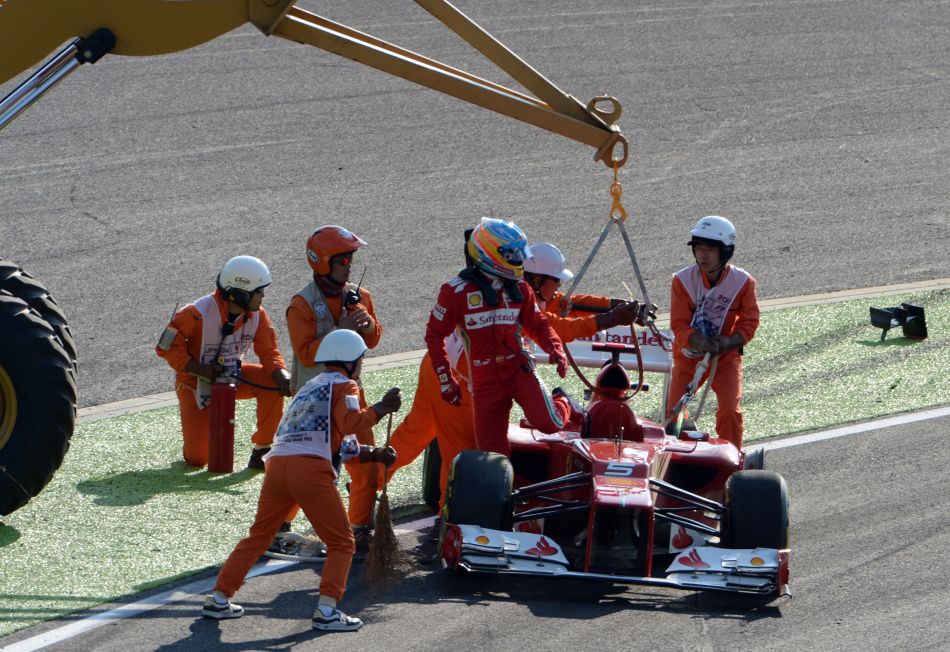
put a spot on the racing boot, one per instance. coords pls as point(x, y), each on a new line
point(577, 417)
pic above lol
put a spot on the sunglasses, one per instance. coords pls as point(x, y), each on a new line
point(342, 261)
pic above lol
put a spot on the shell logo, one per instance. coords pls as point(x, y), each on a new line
point(484, 540)
point(757, 561)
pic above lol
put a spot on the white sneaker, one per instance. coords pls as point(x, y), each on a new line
point(337, 621)
point(213, 609)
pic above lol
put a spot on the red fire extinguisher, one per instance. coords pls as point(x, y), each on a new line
point(221, 440)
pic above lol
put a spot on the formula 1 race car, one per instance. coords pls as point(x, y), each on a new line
point(614, 497)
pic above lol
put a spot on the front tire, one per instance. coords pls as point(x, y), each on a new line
point(432, 474)
point(479, 491)
point(37, 402)
point(756, 511)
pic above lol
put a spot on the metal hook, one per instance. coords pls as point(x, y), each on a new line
point(616, 191)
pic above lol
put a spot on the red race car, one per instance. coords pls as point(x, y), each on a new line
point(614, 497)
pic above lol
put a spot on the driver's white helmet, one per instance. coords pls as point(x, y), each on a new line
point(715, 228)
point(245, 273)
point(548, 260)
point(341, 345)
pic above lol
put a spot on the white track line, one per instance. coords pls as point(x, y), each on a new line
point(133, 609)
point(884, 422)
point(204, 586)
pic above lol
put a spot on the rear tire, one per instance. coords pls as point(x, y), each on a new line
point(37, 402)
point(432, 474)
point(756, 511)
point(479, 491)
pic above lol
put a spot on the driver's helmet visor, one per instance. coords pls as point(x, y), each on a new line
point(515, 253)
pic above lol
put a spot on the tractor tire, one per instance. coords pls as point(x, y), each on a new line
point(37, 402)
point(23, 286)
point(431, 475)
point(756, 511)
point(479, 491)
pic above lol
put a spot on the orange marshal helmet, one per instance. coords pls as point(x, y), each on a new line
point(329, 241)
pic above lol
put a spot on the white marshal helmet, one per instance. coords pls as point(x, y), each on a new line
point(341, 345)
point(245, 273)
point(715, 228)
point(548, 260)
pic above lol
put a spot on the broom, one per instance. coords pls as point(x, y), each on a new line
point(386, 563)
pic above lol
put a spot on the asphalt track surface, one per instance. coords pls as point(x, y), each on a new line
point(868, 572)
point(819, 128)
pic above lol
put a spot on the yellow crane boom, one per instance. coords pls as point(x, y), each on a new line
point(31, 29)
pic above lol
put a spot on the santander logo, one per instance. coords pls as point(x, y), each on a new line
point(693, 560)
point(542, 549)
point(682, 539)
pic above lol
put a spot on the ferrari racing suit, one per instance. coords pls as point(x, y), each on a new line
point(490, 316)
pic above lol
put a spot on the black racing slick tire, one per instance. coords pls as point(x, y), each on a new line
point(756, 511)
point(431, 475)
point(479, 491)
point(23, 286)
point(37, 403)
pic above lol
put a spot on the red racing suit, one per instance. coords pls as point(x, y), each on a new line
point(500, 368)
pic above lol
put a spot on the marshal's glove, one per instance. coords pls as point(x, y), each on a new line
point(448, 386)
point(381, 455)
point(391, 402)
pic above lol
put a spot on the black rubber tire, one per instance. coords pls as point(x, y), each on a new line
point(479, 491)
point(23, 286)
point(431, 472)
point(756, 511)
point(37, 406)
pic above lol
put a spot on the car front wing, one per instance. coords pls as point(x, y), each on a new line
point(761, 571)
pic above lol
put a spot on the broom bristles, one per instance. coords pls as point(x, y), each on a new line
point(386, 563)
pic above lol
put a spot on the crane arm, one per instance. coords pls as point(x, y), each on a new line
point(152, 27)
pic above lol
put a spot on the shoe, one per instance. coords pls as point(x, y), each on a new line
point(227, 610)
point(257, 459)
point(337, 621)
point(435, 532)
point(577, 412)
point(363, 535)
point(284, 527)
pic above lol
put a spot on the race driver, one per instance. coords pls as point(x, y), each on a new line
point(214, 333)
point(491, 305)
point(713, 310)
point(430, 417)
point(327, 303)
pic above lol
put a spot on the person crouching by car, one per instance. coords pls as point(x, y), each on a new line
point(214, 334)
